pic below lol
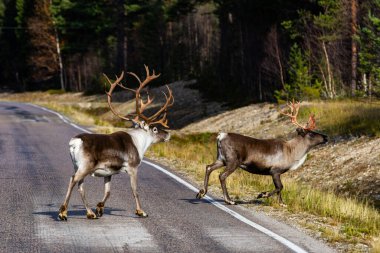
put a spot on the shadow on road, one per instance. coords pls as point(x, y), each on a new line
point(80, 211)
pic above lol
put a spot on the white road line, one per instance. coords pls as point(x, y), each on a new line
point(236, 215)
point(63, 118)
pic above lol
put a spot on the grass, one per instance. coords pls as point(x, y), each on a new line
point(345, 118)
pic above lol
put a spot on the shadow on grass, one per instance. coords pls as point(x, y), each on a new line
point(196, 201)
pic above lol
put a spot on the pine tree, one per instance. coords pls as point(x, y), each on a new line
point(369, 40)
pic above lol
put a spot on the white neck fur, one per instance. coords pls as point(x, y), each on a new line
point(142, 140)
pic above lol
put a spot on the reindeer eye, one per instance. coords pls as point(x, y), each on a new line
point(155, 130)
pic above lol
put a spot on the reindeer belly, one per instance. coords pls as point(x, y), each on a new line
point(255, 169)
point(104, 172)
point(108, 168)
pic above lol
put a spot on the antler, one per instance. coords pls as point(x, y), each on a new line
point(140, 104)
point(109, 94)
point(294, 107)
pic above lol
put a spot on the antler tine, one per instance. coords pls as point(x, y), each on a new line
point(144, 105)
point(169, 102)
point(294, 107)
point(141, 104)
point(311, 125)
point(163, 121)
point(109, 94)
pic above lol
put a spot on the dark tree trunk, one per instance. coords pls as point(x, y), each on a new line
point(354, 46)
point(122, 39)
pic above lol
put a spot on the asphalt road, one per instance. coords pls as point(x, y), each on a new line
point(35, 167)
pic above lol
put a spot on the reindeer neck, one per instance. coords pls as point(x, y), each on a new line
point(297, 147)
point(142, 140)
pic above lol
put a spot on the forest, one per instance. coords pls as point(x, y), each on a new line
point(239, 51)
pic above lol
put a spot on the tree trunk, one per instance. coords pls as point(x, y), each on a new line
point(59, 59)
point(121, 54)
point(278, 58)
point(354, 46)
point(330, 84)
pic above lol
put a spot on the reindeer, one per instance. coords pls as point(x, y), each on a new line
point(104, 155)
point(264, 157)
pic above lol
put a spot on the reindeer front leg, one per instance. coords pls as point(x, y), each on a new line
point(278, 185)
point(132, 172)
point(231, 167)
point(107, 193)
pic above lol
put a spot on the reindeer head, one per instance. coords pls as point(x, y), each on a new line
point(307, 132)
point(139, 120)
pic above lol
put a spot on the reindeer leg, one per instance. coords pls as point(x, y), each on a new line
point(90, 213)
point(209, 168)
point(278, 185)
point(63, 209)
point(107, 193)
point(231, 167)
point(133, 176)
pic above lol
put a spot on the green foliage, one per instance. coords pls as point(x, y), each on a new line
point(301, 85)
point(2, 9)
point(369, 41)
point(55, 91)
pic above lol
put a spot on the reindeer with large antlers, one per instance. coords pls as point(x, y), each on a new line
point(104, 155)
point(265, 157)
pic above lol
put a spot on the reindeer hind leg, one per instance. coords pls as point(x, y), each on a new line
point(90, 214)
point(209, 168)
point(73, 181)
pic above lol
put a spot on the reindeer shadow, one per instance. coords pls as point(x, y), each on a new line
point(201, 201)
point(250, 202)
point(78, 211)
point(256, 201)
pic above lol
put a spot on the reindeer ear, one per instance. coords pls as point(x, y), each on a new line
point(144, 126)
point(301, 131)
point(135, 124)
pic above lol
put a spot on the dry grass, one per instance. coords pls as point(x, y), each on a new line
point(376, 246)
point(346, 117)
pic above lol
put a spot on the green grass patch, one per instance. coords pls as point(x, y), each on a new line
point(344, 118)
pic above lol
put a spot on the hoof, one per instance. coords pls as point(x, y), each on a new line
point(91, 216)
point(283, 205)
point(230, 202)
point(141, 213)
point(263, 195)
point(99, 209)
point(62, 213)
point(62, 216)
point(200, 194)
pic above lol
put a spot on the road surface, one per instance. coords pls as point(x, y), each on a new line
point(35, 167)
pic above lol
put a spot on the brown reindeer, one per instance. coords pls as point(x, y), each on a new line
point(104, 155)
point(264, 157)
